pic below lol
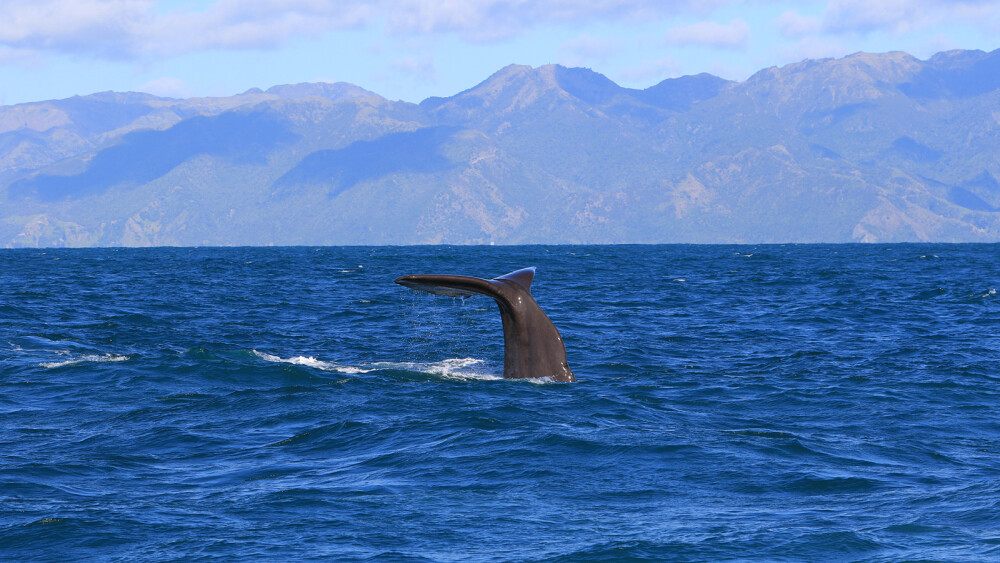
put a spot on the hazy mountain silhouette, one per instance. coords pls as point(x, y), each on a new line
point(869, 147)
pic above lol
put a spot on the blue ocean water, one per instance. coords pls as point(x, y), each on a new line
point(796, 403)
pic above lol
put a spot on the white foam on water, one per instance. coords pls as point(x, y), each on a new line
point(83, 359)
point(451, 368)
point(458, 369)
point(311, 362)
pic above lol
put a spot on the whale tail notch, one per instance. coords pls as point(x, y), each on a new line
point(522, 278)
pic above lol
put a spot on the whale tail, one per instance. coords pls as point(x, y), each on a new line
point(466, 286)
point(533, 346)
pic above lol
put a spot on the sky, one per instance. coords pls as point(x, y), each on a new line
point(412, 49)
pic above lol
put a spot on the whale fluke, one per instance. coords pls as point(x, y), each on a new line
point(532, 346)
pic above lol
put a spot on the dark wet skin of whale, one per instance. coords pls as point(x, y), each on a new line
point(532, 347)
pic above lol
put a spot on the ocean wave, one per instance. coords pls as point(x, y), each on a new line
point(450, 368)
point(312, 362)
point(84, 359)
point(460, 369)
point(748, 418)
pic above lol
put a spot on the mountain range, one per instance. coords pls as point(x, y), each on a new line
point(866, 148)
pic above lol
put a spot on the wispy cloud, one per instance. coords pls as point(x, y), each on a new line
point(734, 35)
point(18, 56)
point(791, 24)
point(149, 31)
point(900, 16)
point(813, 47)
point(243, 24)
point(165, 86)
point(106, 27)
point(867, 15)
point(131, 28)
point(586, 48)
point(656, 70)
point(420, 67)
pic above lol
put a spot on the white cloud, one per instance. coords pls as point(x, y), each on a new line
point(420, 67)
point(107, 27)
point(167, 87)
point(493, 19)
point(900, 16)
point(245, 24)
point(735, 34)
point(869, 15)
point(19, 56)
point(591, 47)
point(129, 28)
point(148, 29)
point(813, 47)
point(656, 70)
point(792, 24)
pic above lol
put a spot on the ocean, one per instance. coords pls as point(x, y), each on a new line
point(732, 403)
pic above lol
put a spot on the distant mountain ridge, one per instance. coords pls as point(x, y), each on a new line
point(867, 148)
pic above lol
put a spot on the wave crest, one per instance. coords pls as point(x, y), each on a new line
point(84, 359)
point(310, 361)
point(451, 368)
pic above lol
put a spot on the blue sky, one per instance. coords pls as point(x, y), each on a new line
point(412, 49)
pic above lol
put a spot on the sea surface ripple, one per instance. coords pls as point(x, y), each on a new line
point(779, 403)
